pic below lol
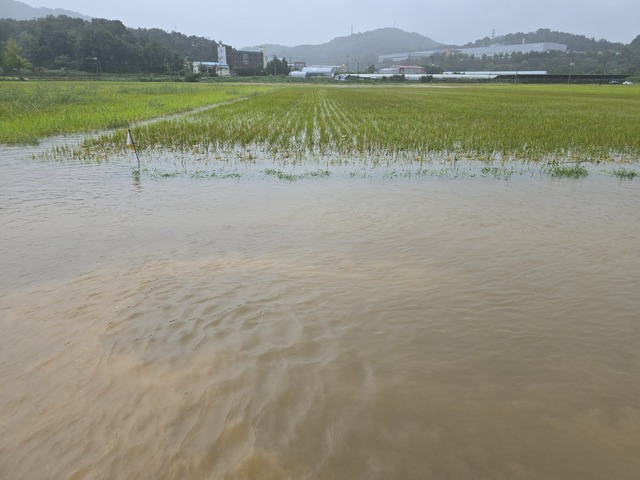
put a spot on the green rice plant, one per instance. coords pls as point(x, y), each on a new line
point(572, 171)
point(625, 174)
point(382, 126)
point(502, 172)
point(280, 174)
point(399, 123)
point(293, 177)
point(156, 173)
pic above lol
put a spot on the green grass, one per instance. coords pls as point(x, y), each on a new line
point(30, 111)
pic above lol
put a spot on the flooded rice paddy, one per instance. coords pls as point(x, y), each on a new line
point(445, 327)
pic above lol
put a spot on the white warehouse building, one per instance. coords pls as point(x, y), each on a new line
point(510, 49)
point(220, 68)
point(317, 71)
point(476, 51)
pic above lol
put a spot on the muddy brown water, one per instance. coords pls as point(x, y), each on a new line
point(331, 328)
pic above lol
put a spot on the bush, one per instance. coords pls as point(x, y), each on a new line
point(191, 77)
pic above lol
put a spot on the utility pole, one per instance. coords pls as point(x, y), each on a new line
point(602, 74)
point(570, 71)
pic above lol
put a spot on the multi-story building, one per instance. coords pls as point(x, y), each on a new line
point(239, 58)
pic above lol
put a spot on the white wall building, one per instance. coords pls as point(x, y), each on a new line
point(510, 49)
point(219, 68)
point(403, 70)
point(317, 71)
point(476, 51)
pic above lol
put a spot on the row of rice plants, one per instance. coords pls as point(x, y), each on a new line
point(393, 123)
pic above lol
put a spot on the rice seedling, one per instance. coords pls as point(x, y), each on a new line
point(568, 171)
point(390, 125)
point(625, 173)
point(394, 129)
point(292, 177)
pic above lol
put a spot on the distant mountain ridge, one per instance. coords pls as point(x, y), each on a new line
point(357, 51)
point(21, 11)
point(358, 48)
point(364, 48)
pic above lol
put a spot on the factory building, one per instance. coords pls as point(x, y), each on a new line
point(403, 70)
point(475, 52)
point(317, 71)
point(239, 58)
point(229, 59)
point(510, 49)
point(218, 68)
point(404, 56)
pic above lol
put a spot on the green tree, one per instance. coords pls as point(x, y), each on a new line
point(12, 59)
point(106, 45)
point(52, 37)
point(277, 67)
point(633, 53)
point(249, 71)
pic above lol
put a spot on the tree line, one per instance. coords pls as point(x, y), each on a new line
point(108, 46)
point(100, 46)
point(626, 62)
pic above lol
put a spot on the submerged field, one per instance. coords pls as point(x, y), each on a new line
point(333, 328)
point(328, 125)
point(488, 121)
point(482, 122)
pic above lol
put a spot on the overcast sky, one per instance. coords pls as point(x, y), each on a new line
point(243, 23)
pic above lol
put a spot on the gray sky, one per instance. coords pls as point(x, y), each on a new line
point(242, 23)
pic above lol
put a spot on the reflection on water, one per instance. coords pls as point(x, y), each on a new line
point(331, 328)
point(137, 185)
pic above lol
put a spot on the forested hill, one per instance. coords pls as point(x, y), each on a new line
point(575, 43)
point(22, 11)
point(109, 46)
point(103, 45)
point(362, 48)
point(583, 55)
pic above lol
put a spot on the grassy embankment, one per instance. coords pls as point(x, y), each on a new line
point(30, 111)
